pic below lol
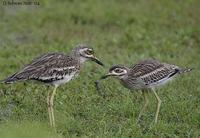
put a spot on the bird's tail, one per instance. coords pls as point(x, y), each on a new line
point(184, 70)
point(9, 79)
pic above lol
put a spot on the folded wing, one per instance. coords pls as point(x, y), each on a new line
point(46, 67)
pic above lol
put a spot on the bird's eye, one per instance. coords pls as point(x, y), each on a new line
point(118, 70)
point(90, 52)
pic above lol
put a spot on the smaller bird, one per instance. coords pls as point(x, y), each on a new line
point(145, 76)
point(55, 69)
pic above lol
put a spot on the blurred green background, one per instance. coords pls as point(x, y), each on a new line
point(121, 32)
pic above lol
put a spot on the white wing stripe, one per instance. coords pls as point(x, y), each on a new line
point(65, 68)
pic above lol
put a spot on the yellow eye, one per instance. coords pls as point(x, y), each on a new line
point(90, 52)
point(118, 70)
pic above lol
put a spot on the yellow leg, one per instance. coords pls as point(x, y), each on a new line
point(51, 105)
point(49, 108)
point(158, 105)
point(146, 101)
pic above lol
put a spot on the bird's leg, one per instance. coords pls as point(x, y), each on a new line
point(51, 105)
point(158, 105)
point(49, 108)
point(146, 101)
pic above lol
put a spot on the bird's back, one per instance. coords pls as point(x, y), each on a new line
point(150, 73)
point(46, 68)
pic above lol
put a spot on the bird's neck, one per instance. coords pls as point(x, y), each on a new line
point(77, 56)
point(82, 60)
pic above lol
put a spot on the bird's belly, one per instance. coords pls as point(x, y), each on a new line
point(65, 79)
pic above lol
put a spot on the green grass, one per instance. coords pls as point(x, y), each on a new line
point(27, 130)
point(121, 32)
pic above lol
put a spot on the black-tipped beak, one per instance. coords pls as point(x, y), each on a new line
point(97, 61)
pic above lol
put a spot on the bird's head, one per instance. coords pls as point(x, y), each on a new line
point(84, 53)
point(119, 71)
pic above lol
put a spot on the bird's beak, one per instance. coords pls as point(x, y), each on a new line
point(95, 59)
point(106, 76)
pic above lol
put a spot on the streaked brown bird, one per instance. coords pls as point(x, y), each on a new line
point(145, 76)
point(55, 69)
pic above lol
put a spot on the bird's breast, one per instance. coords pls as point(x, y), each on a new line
point(132, 83)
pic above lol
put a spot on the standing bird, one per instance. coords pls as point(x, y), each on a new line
point(55, 69)
point(146, 75)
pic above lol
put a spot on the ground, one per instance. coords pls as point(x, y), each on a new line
point(121, 32)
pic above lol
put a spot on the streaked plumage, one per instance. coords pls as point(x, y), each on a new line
point(145, 75)
point(150, 73)
point(55, 69)
point(48, 68)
